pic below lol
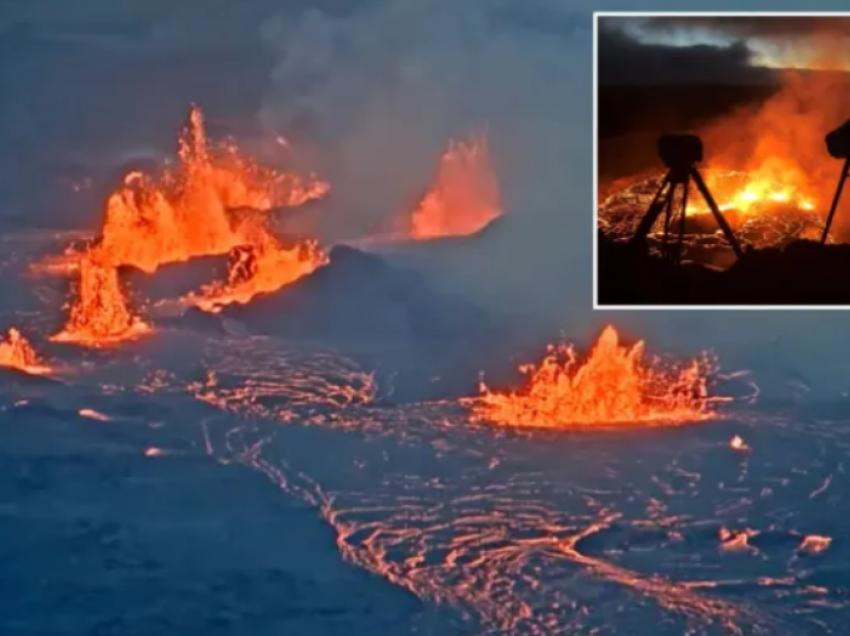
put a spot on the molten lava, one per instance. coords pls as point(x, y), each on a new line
point(614, 386)
point(99, 314)
point(759, 191)
point(463, 198)
point(215, 201)
point(189, 211)
point(16, 352)
point(259, 269)
point(764, 209)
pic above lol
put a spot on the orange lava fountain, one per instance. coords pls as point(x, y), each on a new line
point(614, 386)
point(464, 197)
point(16, 352)
point(215, 201)
point(188, 212)
point(99, 315)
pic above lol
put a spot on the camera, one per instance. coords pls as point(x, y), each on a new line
point(680, 151)
point(838, 141)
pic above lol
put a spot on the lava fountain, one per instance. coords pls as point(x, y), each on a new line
point(99, 315)
point(216, 200)
point(463, 198)
point(615, 386)
point(17, 353)
point(189, 211)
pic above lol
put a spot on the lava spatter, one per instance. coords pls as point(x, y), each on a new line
point(99, 314)
point(188, 211)
point(615, 386)
point(259, 269)
point(16, 352)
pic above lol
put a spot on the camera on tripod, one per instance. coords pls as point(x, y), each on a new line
point(678, 151)
point(838, 141)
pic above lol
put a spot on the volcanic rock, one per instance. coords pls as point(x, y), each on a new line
point(358, 297)
point(195, 319)
point(424, 344)
point(174, 280)
point(803, 272)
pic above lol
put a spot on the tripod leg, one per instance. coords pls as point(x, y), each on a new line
point(651, 214)
point(668, 214)
point(841, 181)
point(721, 221)
point(685, 187)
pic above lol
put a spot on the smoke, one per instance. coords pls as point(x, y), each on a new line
point(379, 90)
point(773, 27)
point(783, 140)
point(814, 42)
point(623, 59)
point(382, 90)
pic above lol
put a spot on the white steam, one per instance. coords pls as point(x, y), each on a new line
point(382, 91)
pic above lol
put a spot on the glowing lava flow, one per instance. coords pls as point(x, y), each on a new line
point(763, 208)
point(257, 270)
point(17, 353)
point(614, 386)
point(99, 314)
point(464, 197)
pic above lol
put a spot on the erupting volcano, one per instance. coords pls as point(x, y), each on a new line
point(613, 386)
point(778, 234)
point(188, 211)
point(215, 201)
point(17, 353)
point(463, 198)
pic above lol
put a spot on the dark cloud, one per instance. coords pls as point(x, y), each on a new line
point(789, 27)
point(624, 60)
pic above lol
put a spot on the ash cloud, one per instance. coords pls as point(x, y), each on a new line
point(769, 27)
point(625, 60)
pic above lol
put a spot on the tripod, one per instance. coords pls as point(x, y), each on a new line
point(845, 172)
point(680, 174)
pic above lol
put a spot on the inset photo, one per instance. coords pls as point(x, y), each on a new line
point(722, 147)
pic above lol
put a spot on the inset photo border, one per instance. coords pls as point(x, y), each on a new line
point(721, 149)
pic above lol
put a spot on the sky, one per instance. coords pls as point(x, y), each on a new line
point(373, 89)
point(723, 49)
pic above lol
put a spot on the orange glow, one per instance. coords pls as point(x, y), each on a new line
point(463, 198)
point(779, 145)
point(738, 444)
point(16, 352)
point(766, 166)
point(99, 314)
point(777, 184)
point(215, 201)
point(259, 269)
point(815, 544)
point(737, 541)
point(614, 386)
point(185, 213)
